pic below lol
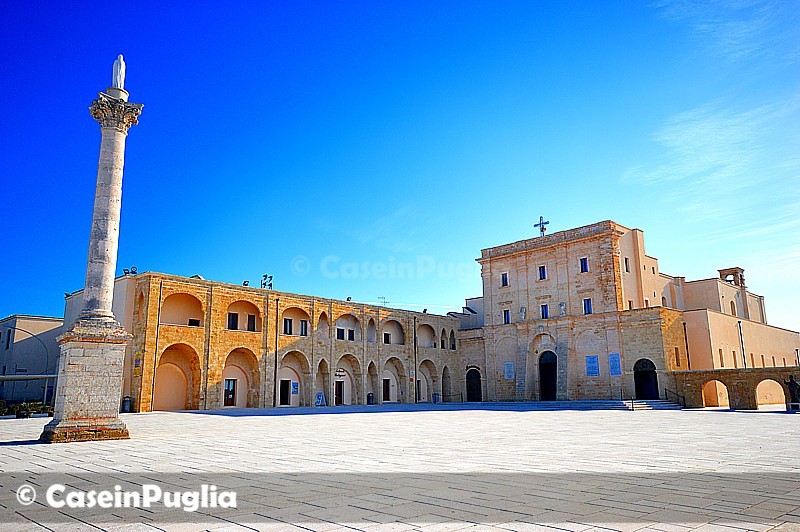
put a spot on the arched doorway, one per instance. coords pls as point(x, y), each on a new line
point(177, 379)
point(715, 393)
point(474, 393)
point(241, 379)
point(293, 377)
point(769, 394)
point(446, 385)
point(548, 376)
point(645, 380)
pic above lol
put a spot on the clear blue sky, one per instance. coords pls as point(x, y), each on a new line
point(300, 139)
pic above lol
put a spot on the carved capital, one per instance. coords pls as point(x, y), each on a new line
point(115, 113)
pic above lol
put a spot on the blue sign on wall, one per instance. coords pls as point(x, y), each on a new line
point(508, 371)
point(614, 365)
point(295, 388)
point(592, 366)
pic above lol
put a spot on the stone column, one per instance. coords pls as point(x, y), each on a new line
point(92, 352)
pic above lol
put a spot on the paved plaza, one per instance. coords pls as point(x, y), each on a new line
point(502, 467)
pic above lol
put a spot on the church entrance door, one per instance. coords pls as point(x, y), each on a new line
point(548, 376)
point(645, 379)
point(474, 394)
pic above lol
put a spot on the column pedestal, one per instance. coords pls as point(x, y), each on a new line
point(89, 383)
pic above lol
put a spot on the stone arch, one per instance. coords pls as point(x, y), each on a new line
point(715, 393)
point(474, 386)
point(769, 392)
point(397, 335)
point(293, 380)
point(645, 379)
point(443, 342)
point(177, 379)
point(426, 337)
point(322, 380)
point(373, 381)
point(241, 364)
point(348, 322)
point(182, 309)
point(427, 381)
point(452, 340)
point(447, 385)
point(540, 343)
point(393, 376)
point(291, 321)
point(372, 331)
point(505, 352)
point(243, 321)
point(348, 392)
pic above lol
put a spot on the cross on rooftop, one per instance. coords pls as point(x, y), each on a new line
point(541, 225)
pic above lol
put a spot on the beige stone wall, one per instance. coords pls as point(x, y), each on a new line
point(315, 357)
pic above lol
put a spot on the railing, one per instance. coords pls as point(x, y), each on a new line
point(445, 397)
point(680, 399)
point(624, 400)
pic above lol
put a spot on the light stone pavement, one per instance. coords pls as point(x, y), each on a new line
point(503, 467)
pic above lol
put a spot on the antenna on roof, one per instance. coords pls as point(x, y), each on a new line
point(266, 281)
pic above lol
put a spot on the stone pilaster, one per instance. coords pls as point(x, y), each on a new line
point(93, 350)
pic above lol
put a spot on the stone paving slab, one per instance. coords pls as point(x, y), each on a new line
point(499, 467)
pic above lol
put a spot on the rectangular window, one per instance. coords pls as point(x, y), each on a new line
point(504, 279)
point(721, 359)
point(545, 312)
point(351, 335)
point(587, 306)
point(506, 317)
point(584, 265)
point(646, 303)
point(654, 270)
point(627, 265)
point(387, 338)
point(677, 358)
point(251, 322)
point(542, 273)
point(630, 304)
point(287, 325)
point(444, 343)
point(773, 362)
point(303, 327)
point(233, 321)
point(194, 322)
point(339, 333)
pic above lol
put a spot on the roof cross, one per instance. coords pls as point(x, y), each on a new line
point(541, 225)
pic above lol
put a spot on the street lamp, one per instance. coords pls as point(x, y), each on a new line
point(46, 360)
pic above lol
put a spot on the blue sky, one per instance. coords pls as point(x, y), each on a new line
point(372, 149)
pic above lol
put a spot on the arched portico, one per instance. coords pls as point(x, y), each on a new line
point(241, 380)
point(177, 379)
point(393, 386)
point(293, 380)
point(347, 381)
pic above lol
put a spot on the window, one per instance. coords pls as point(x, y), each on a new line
point(752, 360)
point(773, 362)
point(584, 265)
point(251, 322)
point(663, 301)
point(677, 357)
point(233, 321)
point(627, 265)
point(287, 325)
point(387, 338)
point(444, 343)
point(763, 365)
point(654, 270)
point(506, 317)
point(193, 322)
point(630, 304)
point(733, 308)
point(721, 359)
point(339, 333)
point(303, 327)
point(545, 312)
point(646, 303)
point(587, 306)
point(351, 335)
point(542, 273)
point(504, 279)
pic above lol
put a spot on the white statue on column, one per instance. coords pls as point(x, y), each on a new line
point(118, 81)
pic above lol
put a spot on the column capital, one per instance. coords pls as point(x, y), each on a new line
point(115, 112)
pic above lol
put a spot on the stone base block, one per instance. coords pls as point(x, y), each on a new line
point(63, 431)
